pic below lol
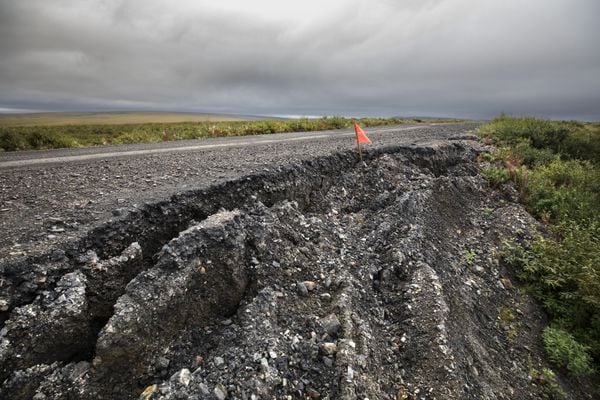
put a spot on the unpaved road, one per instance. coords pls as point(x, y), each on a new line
point(55, 195)
point(29, 158)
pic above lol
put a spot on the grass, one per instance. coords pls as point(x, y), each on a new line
point(509, 322)
point(85, 135)
point(556, 167)
point(546, 378)
point(469, 256)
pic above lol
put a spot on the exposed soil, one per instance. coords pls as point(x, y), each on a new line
point(326, 279)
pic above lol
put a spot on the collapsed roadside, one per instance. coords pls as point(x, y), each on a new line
point(328, 279)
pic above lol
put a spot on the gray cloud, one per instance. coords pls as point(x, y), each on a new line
point(357, 57)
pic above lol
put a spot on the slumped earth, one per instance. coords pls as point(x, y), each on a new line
point(329, 279)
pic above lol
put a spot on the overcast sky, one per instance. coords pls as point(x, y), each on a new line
point(470, 58)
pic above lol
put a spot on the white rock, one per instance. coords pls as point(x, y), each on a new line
point(220, 392)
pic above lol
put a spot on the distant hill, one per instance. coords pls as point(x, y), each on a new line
point(114, 117)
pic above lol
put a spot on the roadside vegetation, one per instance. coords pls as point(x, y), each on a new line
point(48, 137)
point(556, 168)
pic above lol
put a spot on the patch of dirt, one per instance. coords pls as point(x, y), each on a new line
point(327, 279)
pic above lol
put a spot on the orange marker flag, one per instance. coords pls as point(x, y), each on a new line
point(360, 135)
point(360, 138)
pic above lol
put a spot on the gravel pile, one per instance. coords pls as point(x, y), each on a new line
point(330, 279)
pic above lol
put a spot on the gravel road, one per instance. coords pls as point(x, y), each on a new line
point(51, 196)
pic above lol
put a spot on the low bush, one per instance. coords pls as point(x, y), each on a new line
point(538, 133)
point(496, 176)
point(11, 141)
point(564, 350)
point(556, 167)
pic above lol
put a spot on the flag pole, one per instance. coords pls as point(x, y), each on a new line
point(360, 138)
point(359, 149)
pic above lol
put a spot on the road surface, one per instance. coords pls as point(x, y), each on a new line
point(51, 196)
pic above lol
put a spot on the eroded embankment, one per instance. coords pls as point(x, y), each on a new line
point(329, 279)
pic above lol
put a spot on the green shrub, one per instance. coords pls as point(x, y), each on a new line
point(495, 176)
point(11, 141)
point(532, 156)
point(538, 133)
point(546, 378)
point(48, 140)
point(564, 190)
point(563, 272)
point(555, 166)
point(564, 350)
point(584, 144)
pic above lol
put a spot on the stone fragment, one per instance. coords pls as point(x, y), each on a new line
point(149, 391)
point(330, 324)
point(220, 392)
point(182, 377)
point(219, 361)
point(302, 289)
point(507, 283)
point(162, 363)
point(328, 348)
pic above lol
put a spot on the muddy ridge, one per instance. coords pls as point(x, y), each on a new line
point(328, 279)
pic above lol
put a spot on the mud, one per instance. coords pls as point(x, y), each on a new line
point(328, 279)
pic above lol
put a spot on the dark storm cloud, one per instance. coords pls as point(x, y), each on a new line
point(387, 57)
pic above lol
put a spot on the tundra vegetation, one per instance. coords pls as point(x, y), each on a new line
point(83, 135)
point(556, 169)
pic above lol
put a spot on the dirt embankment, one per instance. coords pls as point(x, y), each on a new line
point(328, 279)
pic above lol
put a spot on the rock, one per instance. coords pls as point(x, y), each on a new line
point(148, 392)
point(313, 394)
point(264, 364)
point(220, 392)
point(349, 374)
point(61, 314)
point(506, 283)
point(198, 360)
point(328, 348)
point(310, 285)
point(117, 212)
point(182, 377)
point(164, 389)
point(219, 361)
point(57, 255)
point(330, 325)
point(203, 389)
point(162, 363)
point(302, 289)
